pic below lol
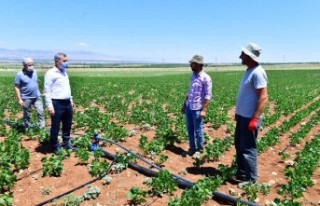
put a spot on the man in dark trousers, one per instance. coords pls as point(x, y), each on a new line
point(251, 101)
point(59, 102)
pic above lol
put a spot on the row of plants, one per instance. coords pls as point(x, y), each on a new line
point(300, 173)
point(273, 135)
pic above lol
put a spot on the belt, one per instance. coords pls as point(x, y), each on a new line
point(61, 100)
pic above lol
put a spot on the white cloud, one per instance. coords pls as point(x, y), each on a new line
point(84, 44)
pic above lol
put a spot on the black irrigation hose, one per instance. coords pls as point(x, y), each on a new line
point(285, 149)
point(139, 157)
point(74, 189)
point(183, 183)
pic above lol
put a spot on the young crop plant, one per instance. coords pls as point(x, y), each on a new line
point(143, 142)
point(122, 162)
point(137, 196)
point(198, 193)
point(7, 179)
point(163, 183)
point(161, 159)
point(124, 158)
point(71, 200)
point(22, 158)
point(6, 199)
point(98, 168)
point(213, 151)
point(300, 174)
point(52, 166)
point(44, 136)
point(91, 193)
point(82, 142)
point(83, 155)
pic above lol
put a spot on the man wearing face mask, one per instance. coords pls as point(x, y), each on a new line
point(196, 103)
point(59, 102)
point(28, 94)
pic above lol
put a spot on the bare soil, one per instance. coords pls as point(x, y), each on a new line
point(30, 187)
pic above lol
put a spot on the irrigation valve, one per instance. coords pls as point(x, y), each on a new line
point(95, 142)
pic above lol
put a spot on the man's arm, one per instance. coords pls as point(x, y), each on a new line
point(47, 92)
point(207, 98)
point(18, 95)
point(262, 101)
point(183, 109)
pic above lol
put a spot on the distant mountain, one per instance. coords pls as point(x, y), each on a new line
point(47, 55)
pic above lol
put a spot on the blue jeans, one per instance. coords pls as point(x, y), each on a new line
point(37, 103)
point(246, 149)
point(62, 113)
point(195, 130)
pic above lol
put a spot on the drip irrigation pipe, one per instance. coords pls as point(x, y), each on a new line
point(183, 183)
point(74, 189)
point(140, 158)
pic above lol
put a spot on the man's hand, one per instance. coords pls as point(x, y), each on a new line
point(202, 114)
point(183, 109)
point(51, 111)
point(73, 105)
point(20, 101)
point(253, 124)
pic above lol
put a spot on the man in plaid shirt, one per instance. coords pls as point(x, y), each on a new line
point(196, 103)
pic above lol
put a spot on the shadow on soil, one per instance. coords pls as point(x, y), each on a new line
point(207, 171)
point(44, 149)
point(176, 150)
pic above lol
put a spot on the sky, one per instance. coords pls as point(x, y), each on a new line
point(168, 31)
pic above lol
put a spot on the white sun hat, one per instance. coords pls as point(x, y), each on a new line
point(252, 50)
point(197, 59)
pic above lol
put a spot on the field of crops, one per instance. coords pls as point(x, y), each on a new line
point(140, 109)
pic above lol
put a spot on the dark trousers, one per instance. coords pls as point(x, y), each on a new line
point(63, 113)
point(246, 149)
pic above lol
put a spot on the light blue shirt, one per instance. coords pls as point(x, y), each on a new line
point(28, 82)
point(247, 99)
point(56, 86)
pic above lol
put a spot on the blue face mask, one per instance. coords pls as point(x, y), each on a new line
point(64, 66)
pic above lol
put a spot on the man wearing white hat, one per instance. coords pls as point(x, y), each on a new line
point(251, 101)
point(196, 103)
point(27, 92)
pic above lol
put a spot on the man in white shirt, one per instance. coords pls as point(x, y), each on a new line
point(59, 101)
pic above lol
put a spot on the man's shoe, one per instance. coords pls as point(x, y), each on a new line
point(68, 146)
point(189, 152)
point(56, 150)
point(243, 184)
point(196, 155)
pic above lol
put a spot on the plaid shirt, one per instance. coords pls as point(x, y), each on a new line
point(200, 90)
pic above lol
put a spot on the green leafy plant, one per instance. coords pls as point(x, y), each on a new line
point(7, 179)
point(163, 183)
point(52, 166)
point(98, 168)
point(137, 195)
point(91, 193)
point(71, 200)
point(6, 199)
point(83, 155)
